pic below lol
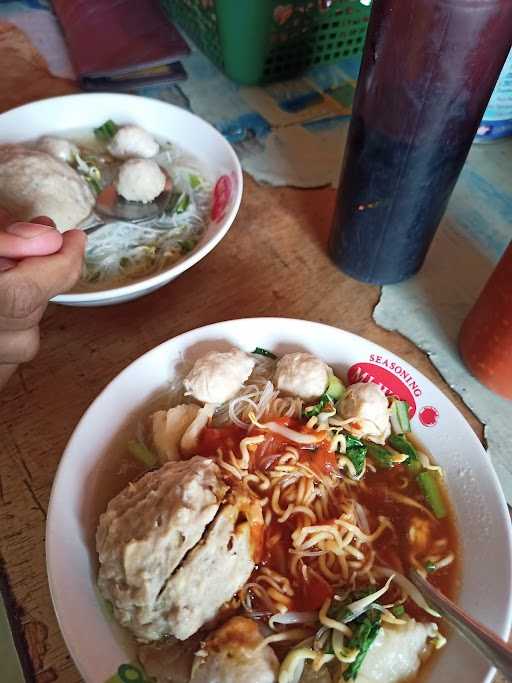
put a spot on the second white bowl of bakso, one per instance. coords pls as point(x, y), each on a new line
point(155, 186)
point(244, 505)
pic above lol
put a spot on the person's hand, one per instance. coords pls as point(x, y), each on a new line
point(36, 263)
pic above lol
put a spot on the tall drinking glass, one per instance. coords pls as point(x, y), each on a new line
point(429, 67)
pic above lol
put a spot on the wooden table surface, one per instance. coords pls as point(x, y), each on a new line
point(272, 262)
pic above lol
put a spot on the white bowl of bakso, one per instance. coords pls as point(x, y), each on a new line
point(244, 504)
point(68, 157)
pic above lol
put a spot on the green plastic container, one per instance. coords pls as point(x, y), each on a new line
point(257, 41)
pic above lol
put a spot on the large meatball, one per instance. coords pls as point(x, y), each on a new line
point(34, 183)
point(232, 655)
point(132, 141)
point(146, 532)
point(209, 576)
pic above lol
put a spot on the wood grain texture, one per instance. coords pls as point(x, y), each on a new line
point(272, 262)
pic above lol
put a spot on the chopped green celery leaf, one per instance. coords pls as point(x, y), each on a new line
point(336, 389)
point(94, 184)
point(195, 181)
point(142, 453)
point(398, 611)
point(364, 632)
point(430, 566)
point(187, 245)
point(318, 407)
point(263, 352)
point(400, 443)
point(106, 132)
point(380, 456)
point(428, 481)
point(172, 202)
point(356, 453)
point(333, 393)
point(400, 417)
point(183, 203)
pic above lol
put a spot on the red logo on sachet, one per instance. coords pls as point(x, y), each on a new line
point(395, 381)
point(221, 196)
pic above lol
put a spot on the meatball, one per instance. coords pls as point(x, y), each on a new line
point(397, 653)
point(140, 180)
point(232, 656)
point(146, 532)
point(58, 147)
point(34, 183)
point(368, 405)
point(209, 576)
point(133, 141)
point(303, 375)
point(218, 377)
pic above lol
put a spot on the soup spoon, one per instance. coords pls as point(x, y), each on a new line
point(111, 207)
point(491, 646)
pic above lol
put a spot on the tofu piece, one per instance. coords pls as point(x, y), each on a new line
point(210, 575)
point(218, 376)
point(167, 428)
point(397, 653)
point(302, 375)
point(190, 439)
point(368, 405)
point(232, 657)
point(145, 533)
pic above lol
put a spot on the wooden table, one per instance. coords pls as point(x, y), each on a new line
point(272, 262)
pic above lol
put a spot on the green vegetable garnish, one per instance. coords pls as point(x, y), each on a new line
point(428, 481)
point(106, 132)
point(356, 453)
point(398, 611)
point(400, 417)
point(336, 388)
point(380, 456)
point(178, 203)
point(187, 245)
point(195, 181)
point(263, 352)
point(333, 393)
point(142, 453)
point(364, 634)
point(430, 566)
point(94, 184)
point(183, 203)
point(400, 443)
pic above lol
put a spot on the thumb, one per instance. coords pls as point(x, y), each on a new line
point(20, 240)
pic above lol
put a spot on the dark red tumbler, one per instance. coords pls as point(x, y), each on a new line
point(429, 68)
